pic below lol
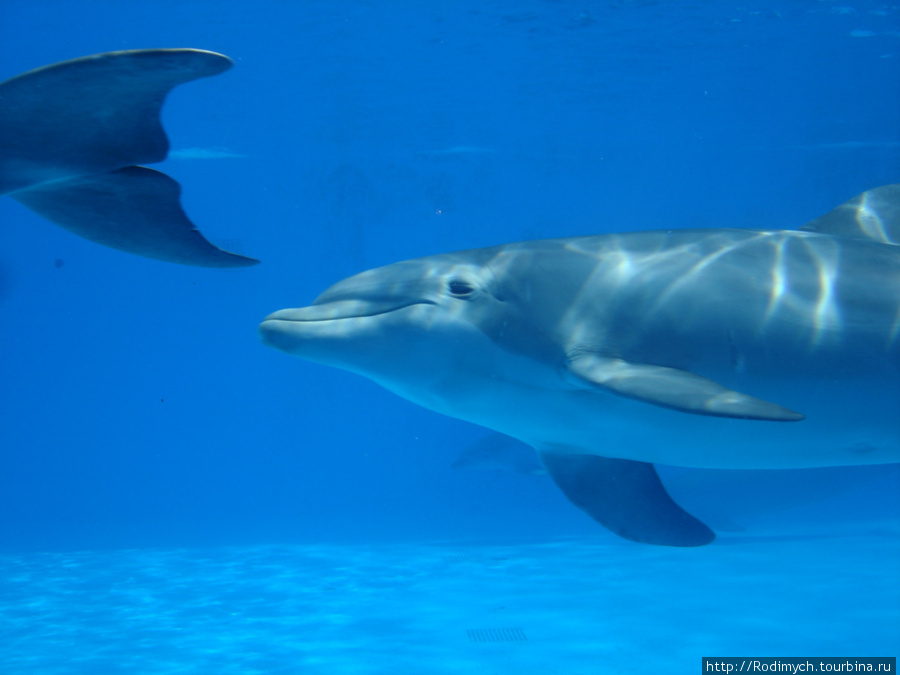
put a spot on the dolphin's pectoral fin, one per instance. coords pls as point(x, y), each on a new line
point(626, 497)
point(133, 209)
point(673, 388)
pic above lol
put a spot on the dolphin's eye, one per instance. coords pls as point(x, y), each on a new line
point(460, 288)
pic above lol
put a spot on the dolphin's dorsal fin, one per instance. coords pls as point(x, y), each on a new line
point(71, 133)
point(872, 215)
point(626, 497)
point(673, 388)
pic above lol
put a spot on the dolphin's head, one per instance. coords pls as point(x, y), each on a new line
point(413, 326)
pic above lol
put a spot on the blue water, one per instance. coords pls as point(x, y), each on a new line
point(174, 497)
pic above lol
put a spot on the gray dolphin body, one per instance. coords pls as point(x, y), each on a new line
point(71, 134)
point(703, 348)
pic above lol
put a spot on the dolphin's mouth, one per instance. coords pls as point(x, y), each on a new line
point(341, 309)
point(293, 330)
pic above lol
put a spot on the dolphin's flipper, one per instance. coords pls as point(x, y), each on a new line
point(499, 451)
point(68, 127)
point(626, 497)
point(134, 209)
point(873, 215)
point(674, 388)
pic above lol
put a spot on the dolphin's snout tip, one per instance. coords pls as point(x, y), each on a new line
point(284, 329)
point(269, 333)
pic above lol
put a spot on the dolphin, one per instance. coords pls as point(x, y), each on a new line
point(72, 133)
point(607, 354)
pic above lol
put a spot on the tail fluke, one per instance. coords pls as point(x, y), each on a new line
point(133, 209)
point(70, 134)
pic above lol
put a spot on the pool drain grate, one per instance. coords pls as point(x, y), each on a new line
point(496, 635)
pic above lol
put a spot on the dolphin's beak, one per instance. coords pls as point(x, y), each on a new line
point(311, 313)
point(272, 334)
point(353, 308)
point(343, 309)
point(286, 328)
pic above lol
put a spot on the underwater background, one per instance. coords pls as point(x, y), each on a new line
point(177, 498)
